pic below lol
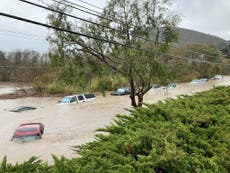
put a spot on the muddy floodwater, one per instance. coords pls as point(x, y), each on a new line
point(70, 125)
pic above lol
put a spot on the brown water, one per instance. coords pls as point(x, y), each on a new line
point(9, 87)
point(69, 125)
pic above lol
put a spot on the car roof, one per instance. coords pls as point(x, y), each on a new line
point(20, 107)
point(78, 94)
point(30, 125)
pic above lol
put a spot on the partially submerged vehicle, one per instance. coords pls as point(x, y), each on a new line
point(77, 98)
point(171, 85)
point(218, 77)
point(199, 81)
point(156, 86)
point(122, 91)
point(28, 132)
point(203, 80)
point(22, 108)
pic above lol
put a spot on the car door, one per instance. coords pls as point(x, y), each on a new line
point(81, 98)
point(73, 99)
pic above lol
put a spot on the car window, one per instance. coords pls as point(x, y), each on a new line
point(18, 108)
point(80, 98)
point(74, 99)
point(88, 96)
point(65, 100)
point(120, 90)
point(21, 109)
point(25, 138)
point(27, 129)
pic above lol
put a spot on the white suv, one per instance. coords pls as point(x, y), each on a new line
point(77, 98)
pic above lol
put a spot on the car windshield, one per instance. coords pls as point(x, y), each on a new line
point(65, 100)
point(27, 129)
point(25, 138)
point(218, 76)
point(19, 108)
point(195, 81)
point(121, 90)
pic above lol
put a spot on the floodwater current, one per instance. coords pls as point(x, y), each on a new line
point(73, 124)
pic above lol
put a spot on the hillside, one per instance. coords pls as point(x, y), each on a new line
point(187, 35)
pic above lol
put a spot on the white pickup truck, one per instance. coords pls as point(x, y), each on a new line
point(77, 98)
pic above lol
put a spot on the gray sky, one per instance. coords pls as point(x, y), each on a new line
point(208, 16)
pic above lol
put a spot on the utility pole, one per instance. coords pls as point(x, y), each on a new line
point(228, 47)
point(201, 65)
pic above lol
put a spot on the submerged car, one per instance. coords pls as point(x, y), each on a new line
point(77, 98)
point(218, 77)
point(171, 85)
point(156, 86)
point(203, 80)
point(199, 81)
point(122, 91)
point(22, 108)
point(28, 131)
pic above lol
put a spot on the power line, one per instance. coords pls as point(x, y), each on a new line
point(92, 5)
point(11, 33)
point(198, 61)
point(82, 6)
point(79, 9)
point(75, 17)
point(21, 36)
point(68, 31)
point(113, 19)
point(92, 37)
point(79, 18)
point(69, 15)
point(22, 33)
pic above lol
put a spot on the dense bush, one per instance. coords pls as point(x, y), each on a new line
point(189, 134)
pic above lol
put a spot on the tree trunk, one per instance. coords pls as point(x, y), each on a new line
point(132, 92)
point(140, 100)
point(133, 100)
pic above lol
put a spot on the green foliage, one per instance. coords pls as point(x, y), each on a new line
point(196, 67)
point(107, 83)
point(188, 134)
point(23, 66)
point(138, 21)
point(34, 165)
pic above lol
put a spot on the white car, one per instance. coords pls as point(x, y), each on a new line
point(218, 77)
point(77, 98)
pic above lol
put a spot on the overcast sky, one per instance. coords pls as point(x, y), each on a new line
point(208, 16)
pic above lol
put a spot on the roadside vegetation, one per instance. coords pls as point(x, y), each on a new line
point(81, 73)
point(188, 134)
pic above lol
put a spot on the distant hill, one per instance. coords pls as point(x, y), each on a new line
point(187, 35)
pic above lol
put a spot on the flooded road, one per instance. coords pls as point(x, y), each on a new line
point(70, 125)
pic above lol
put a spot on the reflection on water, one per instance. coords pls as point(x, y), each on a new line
point(69, 125)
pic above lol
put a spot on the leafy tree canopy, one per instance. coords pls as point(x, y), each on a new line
point(140, 35)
